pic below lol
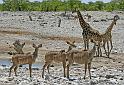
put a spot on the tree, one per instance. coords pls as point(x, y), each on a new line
point(99, 5)
point(15, 5)
point(72, 4)
point(60, 5)
point(7, 5)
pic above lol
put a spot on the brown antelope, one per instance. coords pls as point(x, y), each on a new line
point(57, 56)
point(27, 58)
point(81, 57)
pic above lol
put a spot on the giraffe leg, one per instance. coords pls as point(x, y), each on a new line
point(84, 40)
point(85, 45)
point(97, 51)
point(100, 52)
point(104, 46)
point(108, 49)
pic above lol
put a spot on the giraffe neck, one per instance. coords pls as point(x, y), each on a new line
point(109, 29)
point(81, 20)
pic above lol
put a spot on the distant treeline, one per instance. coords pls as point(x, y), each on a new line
point(60, 5)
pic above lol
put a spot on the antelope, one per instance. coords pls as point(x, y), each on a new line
point(27, 58)
point(81, 57)
point(57, 57)
point(18, 47)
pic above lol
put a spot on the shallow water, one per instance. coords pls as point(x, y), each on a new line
point(7, 63)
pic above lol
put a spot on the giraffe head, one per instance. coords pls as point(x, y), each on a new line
point(116, 17)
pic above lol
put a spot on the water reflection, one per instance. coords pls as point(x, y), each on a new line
point(7, 63)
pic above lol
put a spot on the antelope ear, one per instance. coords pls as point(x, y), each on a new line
point(23, 43)
point(73, 42)
point(34, 45)
point(40, 45)
point(67, 42)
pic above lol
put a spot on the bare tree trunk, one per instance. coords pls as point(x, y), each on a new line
point(30, 18)
point(55, 9)
point(47, 9)
point(59, 22)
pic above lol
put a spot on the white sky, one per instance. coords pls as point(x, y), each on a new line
point(81, 0)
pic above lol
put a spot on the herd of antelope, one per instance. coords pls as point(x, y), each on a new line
point(67, 58)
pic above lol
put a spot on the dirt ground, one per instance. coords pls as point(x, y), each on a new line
point(43, 30)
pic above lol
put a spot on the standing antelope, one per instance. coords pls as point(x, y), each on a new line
point(81, 57)
point(57, 56)
point(27, 58)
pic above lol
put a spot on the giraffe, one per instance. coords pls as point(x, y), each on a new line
point(88, 31)
point(107, 36)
